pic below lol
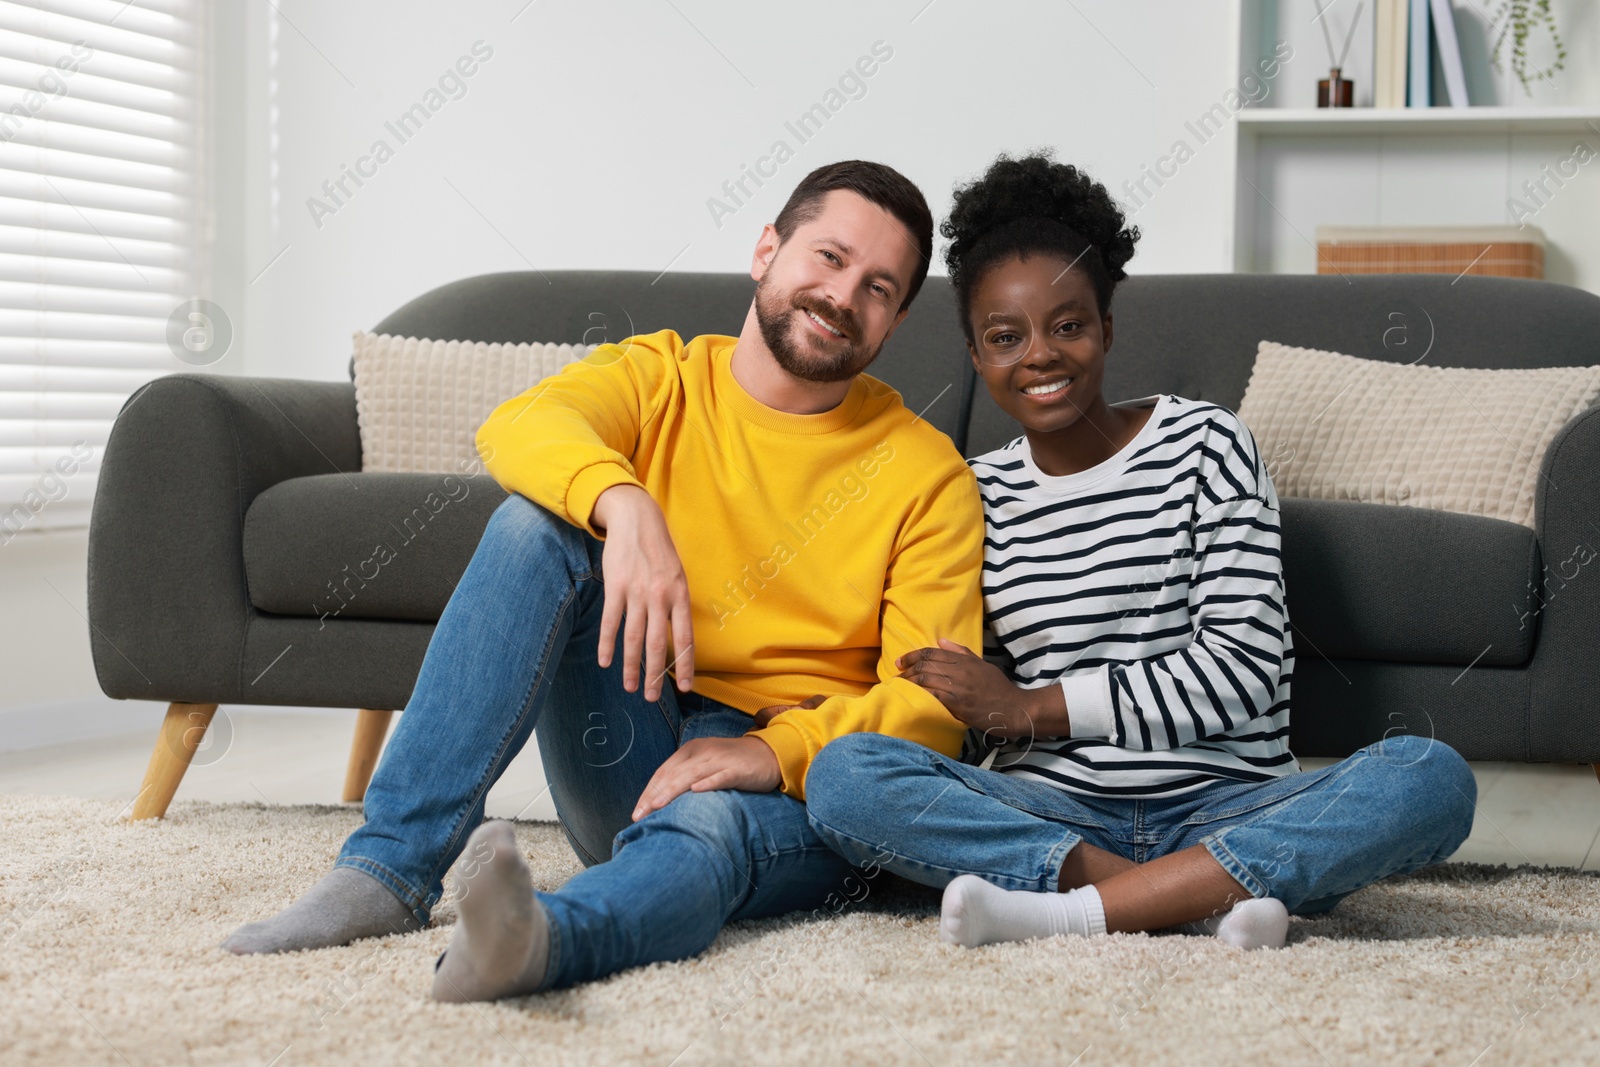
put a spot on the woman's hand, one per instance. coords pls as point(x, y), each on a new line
point(979, 694)
point(766, 714)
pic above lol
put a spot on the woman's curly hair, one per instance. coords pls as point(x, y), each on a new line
point(1034, 206)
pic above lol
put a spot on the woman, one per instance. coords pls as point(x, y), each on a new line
point(1132, 712)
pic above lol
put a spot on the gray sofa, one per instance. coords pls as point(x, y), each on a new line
point(232, 519)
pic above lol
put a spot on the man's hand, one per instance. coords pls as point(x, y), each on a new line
point(979, 694)
point(745, 763)
point(646, 591)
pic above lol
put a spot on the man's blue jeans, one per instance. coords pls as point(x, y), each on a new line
point(515, 653)
point(1309, 839)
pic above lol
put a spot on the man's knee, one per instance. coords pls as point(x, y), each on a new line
point(718, 819)
point(523, 525)
point(523, 542)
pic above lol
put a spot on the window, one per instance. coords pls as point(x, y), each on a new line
point(100, 119)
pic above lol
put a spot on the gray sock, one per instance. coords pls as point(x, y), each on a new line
point(501, 942)
point(346, 905)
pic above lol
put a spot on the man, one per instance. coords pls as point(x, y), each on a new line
point(754, 517)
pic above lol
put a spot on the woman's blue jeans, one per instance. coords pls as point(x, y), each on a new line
point(515, 652)
point(1309, 839)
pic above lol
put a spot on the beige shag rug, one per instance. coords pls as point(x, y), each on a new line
point(108, 955)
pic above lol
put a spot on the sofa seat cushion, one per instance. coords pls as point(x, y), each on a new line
point(1364, 581)
point(1409, 585)
point(365, 545)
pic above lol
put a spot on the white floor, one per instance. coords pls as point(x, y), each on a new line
point(249, 754)
point(1540, 814)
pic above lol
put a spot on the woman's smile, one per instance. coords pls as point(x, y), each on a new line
point(1047, 391)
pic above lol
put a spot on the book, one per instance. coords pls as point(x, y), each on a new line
point(1401, 16)
point(1391, 23)
point(1444, 35)
point(1418, 68)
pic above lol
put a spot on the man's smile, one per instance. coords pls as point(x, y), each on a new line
point(821, 323)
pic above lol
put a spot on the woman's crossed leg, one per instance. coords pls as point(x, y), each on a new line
point(1080, 864)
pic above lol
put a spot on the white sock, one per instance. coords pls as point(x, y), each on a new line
point(1259, 922)
point(978, 913)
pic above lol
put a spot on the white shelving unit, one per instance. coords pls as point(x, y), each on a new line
point(1298, 167)
point(1287, 120)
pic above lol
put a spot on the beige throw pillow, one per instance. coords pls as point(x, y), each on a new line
point(419, 403)
point(1335, 427)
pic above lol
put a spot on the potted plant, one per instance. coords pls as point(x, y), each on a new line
point(1521, 18)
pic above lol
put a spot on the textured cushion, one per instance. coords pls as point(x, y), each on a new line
point(1334, 427)
point(925, 361)
point(365, 546)
point(419, 403)
point(1408, 585)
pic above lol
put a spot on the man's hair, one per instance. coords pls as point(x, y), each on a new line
point(876, 183)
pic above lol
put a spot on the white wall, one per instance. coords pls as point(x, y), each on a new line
point(593, 137)
point(44, 634)
point(596, 133)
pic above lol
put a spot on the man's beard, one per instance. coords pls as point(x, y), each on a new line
point(815, 359)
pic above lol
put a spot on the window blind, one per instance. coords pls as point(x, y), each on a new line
point(99, 203)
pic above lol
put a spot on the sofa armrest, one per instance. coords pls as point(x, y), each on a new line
point(1563, 718)
point(168, 607)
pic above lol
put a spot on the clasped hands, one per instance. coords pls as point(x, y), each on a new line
point(972, 689)
point(979, 694)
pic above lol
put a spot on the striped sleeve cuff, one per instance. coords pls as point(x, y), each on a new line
point(1088, 696)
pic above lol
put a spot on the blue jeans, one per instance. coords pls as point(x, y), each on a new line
point(514, 653)
point(1309, 839)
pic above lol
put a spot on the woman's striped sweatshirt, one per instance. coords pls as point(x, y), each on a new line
point(1150, 588)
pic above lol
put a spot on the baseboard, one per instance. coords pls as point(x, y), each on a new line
point(58, 722)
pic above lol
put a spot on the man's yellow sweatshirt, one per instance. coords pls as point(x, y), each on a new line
point(818, 548)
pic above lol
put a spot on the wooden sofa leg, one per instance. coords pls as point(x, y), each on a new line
point(181, 733)
point(371, 729)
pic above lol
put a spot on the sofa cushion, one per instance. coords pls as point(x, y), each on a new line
point(1464, 439)
point(373, 545)
point(1372, 582)
point(420, 402)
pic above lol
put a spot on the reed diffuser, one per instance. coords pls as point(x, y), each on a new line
point(1336, 90)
